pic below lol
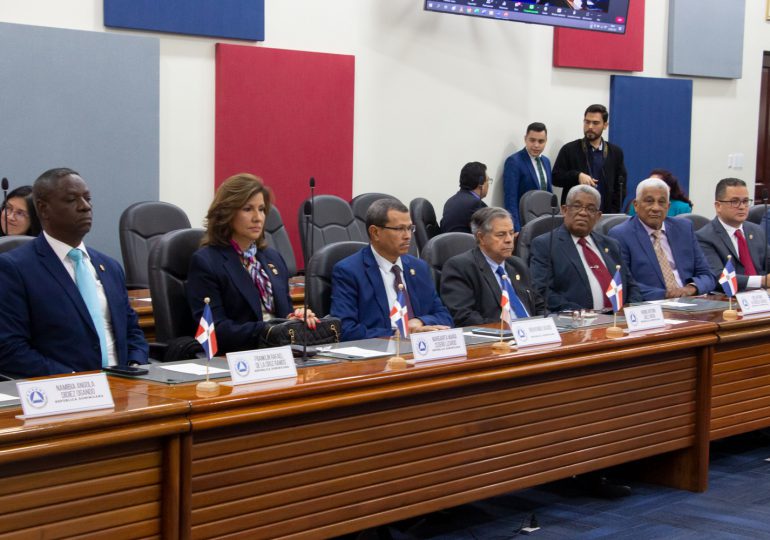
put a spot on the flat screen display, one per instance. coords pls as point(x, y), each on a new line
point(597, 15)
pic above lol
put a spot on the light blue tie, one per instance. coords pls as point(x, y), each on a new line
point(518, 307)
point(87, 287)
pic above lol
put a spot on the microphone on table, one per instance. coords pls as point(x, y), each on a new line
point(554, 208)
point(5, 200)
point(767, 223)
point(302, 353)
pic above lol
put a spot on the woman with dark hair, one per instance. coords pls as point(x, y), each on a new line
point(18, 216)
point(246, 281)
point(679, 203)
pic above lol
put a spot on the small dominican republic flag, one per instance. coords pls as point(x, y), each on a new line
point(205, 334)
point(505, 307)
point(728, 280)
point(615, 292)
point(399, 315)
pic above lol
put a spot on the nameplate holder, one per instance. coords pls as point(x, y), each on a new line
point(537, 331)
point(62, 395)
point(261, 365)
point(644, 317)
point(753, 301)
point(439, 344)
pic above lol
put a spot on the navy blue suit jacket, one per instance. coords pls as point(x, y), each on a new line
point(564, 276)
point(639, 256)
point(217, 272)
point(458, 211)
point(360, 301)
point(45, 327)
point(520, 176)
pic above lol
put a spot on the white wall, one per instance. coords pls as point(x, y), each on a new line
point(433, 91)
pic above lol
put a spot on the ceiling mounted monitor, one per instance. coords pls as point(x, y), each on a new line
point(597, 15)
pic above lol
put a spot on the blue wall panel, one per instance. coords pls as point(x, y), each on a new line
point(235, 19)
point(84, 100)
point(651, 120)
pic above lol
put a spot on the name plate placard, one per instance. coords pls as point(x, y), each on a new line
point(531, 332)
point(753, 301)
point(261, 365)
point(438, 344)
point(644, 317)
point(62, 395)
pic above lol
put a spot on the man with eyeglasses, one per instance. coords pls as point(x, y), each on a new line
point(730, 234)
point(365, 285)
point(662, 253)
point(474, 185)
point(573, 269)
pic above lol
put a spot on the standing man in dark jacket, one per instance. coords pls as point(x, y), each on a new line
point(474, 185)
point(593, 161)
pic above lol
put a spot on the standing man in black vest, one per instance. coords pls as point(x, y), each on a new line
point(593, 161)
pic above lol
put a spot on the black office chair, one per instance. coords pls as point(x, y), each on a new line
point(168, 265)
point(533, 229)
point(141, 225)
point(278, 239)
point(333, 221)
point(7, 243)
point(697, 221)
point(756, 213)
point(534, 204)
point(424, 219)
point(318, 276)
point(442, 247)
point(361, 203)
point(608, 221)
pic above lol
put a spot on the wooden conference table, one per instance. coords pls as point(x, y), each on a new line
point(357, 444)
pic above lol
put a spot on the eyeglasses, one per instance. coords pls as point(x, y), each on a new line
point(577, 208)
point(490, 180)
point(737, 203)
point(12, 212)
point(401, 230)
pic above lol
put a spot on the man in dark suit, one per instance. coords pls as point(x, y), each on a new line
point(592, 161)
point(662, 253)
point(573, 270)
point(471, 283)
point(730, 234)
point(364, 285)
point(474, 185)
point(64, 306)
point(526, 170)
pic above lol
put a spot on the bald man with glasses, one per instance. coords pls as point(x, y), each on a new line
point(729, 234)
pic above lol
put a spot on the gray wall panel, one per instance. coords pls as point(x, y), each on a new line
point(705, 38)
point(84, 100)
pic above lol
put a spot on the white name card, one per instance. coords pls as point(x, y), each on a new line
point(261, 365)
point(438, 344)
point(62, 395)
point(644, 317)
point(531, 332)
point(753, 301)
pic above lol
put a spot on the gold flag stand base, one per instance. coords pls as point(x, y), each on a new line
point(208, 388)
point(729, 315)
point(614, 332)
point(399, 362)
point(502, 347)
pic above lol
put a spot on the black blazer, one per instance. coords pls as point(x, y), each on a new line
point(716, 246)
point(573, 159)
point(217, 272)
point(563, 273)
point(470, 291)
point(458, 211)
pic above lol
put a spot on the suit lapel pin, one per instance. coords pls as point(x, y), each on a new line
point(411, 272)
point(273, 268)
point(518, 277)
point(101, 267)
point(606, 250)
point(751, 237)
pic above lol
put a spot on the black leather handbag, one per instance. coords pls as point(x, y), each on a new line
point(279, 332)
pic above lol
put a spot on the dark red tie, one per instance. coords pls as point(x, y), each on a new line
point(397, 271)
point(744, 256)
point(598, 268)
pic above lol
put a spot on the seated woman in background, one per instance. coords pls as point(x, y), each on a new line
point(246, 281)
point(680, 204)
point(18, 216)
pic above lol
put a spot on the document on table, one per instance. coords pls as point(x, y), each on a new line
point(193, 369)
point(351, 353)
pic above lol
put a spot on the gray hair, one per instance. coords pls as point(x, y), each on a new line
point(584, 188)
point(481, 220)
point(652, 183)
